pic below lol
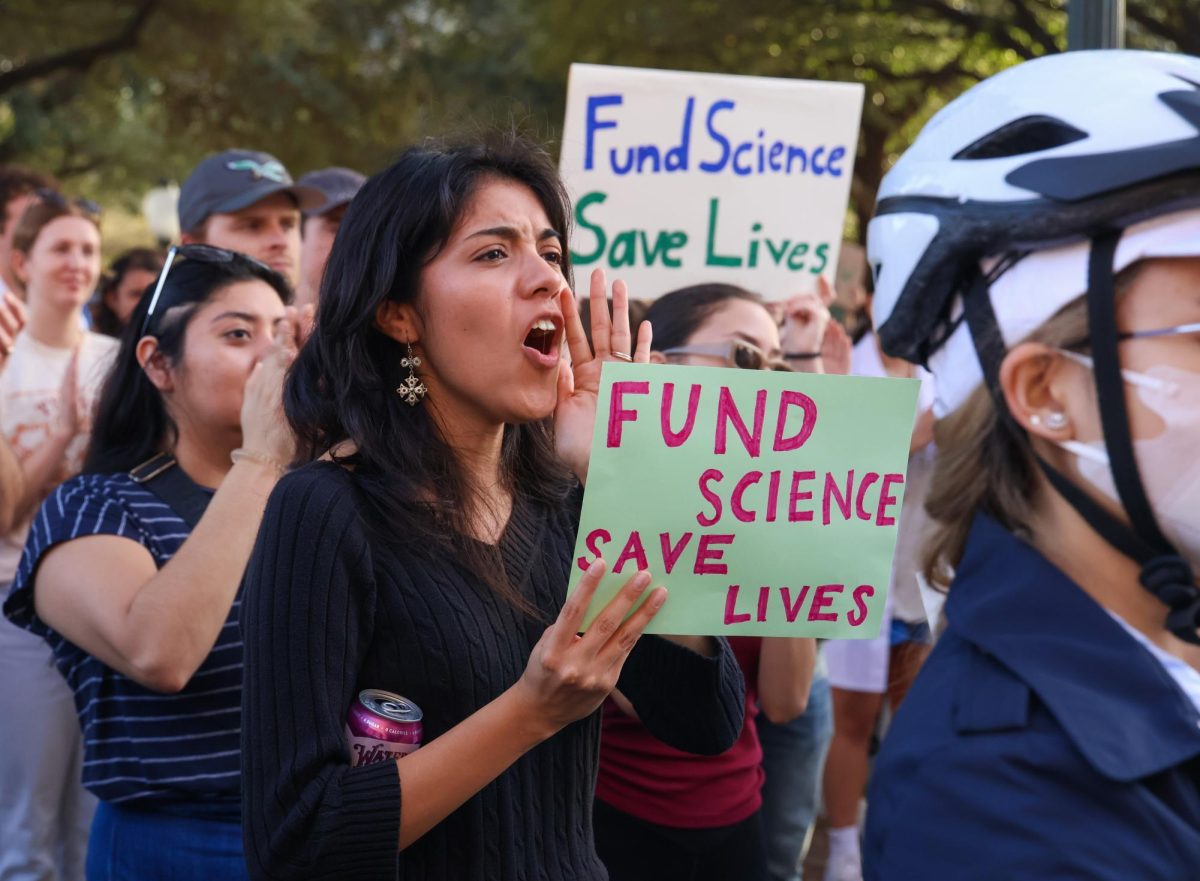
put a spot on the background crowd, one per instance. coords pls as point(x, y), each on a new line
point(334, 433)
point(764, 791)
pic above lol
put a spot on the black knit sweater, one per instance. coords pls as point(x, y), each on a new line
point(328, 610)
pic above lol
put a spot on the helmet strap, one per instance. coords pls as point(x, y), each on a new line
point(1164, 572)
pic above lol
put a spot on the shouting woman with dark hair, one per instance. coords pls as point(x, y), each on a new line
point(131, 571)
point(429, 550)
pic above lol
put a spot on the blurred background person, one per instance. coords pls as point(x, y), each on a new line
point(794, 751)
point(48, 387)
point(122, 287)
point(131, 573)
point(662, 813)
point(320, 225)
point(863, 673)
point(245, 201)
point(18, 190)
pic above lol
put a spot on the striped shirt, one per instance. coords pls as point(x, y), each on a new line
point(172, 751)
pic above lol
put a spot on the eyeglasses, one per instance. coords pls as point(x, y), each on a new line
point(1178, 330)
point(54, 197)
point(203, 253)
point(736, 353)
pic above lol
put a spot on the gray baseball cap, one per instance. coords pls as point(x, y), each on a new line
point(234, 179)
point(338, 184)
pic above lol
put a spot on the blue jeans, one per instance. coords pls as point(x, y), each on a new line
point(793, 760)
point(131, 845)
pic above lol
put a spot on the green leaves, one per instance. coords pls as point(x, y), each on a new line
point(114, 96)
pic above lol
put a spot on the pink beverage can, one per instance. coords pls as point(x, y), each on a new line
point(382, 726)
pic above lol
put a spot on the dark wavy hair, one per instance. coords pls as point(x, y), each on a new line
point(104, 319)
point(131, 422)
point(342, 385)
point(675, 316)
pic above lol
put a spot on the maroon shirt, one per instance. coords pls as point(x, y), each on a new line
point(643, 777)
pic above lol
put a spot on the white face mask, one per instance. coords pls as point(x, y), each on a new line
point(1169, 464)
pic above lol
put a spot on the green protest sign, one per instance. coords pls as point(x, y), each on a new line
point(766, 502)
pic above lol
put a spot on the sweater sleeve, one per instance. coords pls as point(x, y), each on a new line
point(693, 703)
point(307, 619)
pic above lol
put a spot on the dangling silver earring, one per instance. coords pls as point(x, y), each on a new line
point(412, 390)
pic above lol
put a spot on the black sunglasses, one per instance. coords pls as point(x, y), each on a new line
point(54, 197)
point(202, 253)
point(737, 353)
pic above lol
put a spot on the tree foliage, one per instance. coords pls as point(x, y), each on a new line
point(118, 94)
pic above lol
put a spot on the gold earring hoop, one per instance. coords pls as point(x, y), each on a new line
point(412, 391)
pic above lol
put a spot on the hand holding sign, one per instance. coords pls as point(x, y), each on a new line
point(568, 676)
point(579, 382)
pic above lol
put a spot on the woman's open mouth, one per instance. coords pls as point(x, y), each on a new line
point(542, 342)
point(543, 336)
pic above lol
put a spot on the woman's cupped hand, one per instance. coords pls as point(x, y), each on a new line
point(579, 380)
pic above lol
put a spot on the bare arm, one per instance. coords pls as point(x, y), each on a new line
point(45, 467)
point(785, 673)
point(39, 473)
point(12, 478)
point(12, 485)
point(105, 594)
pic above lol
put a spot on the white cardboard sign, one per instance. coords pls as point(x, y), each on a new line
point(683, 178)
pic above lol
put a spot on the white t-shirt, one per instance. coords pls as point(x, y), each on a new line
point(904, 592)
point(29, 401)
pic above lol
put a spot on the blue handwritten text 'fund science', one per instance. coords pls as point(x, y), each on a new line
point(718, 153)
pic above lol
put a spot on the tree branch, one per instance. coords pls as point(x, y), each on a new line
point(995, 29)
point(941, 76)
point(1029, 22)
point(1183, 31)
point(83, 57)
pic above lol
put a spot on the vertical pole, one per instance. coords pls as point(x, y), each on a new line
point(1096, 24)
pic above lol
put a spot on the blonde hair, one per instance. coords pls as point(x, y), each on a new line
point(984, 461)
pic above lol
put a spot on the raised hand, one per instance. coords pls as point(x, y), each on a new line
point(569, 675)
point(265, 429)
point(66, 421)
point(805, 318)
point(12, 319)
point(579, 382)
point(836, 350)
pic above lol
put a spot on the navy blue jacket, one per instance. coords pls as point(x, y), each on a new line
point(1040, 741)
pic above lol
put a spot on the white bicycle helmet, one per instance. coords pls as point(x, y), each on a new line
point(1072, 148)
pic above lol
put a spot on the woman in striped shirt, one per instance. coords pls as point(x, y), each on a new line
point(131, 570)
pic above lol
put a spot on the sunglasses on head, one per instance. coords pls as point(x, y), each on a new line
point(54, 197)
point(737, 353)
point(202, 253)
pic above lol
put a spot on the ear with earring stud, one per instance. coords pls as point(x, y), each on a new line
point(1055, 420)
point(412, 391)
